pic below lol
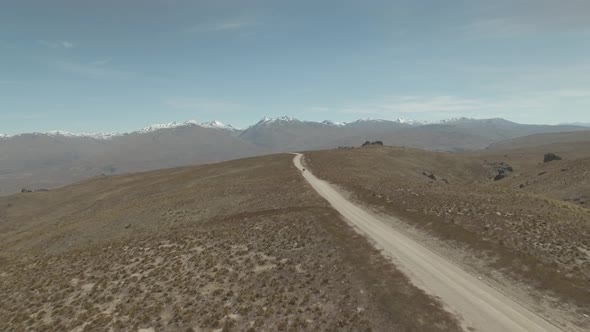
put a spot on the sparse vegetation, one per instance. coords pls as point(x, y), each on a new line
point(242, 245)
point(516, 231)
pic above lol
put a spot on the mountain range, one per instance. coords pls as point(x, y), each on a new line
point(47, 160)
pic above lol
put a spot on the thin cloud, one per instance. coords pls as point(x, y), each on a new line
point(573, 93)
point(202, 105)
point(417, 104)
point(507, 19)
point(225, 25)
point(101, 62)
point(64, 44)
point(448, 105)
point(497, 28)
point(92, 70)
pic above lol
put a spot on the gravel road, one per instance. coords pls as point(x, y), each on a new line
point(478, 306)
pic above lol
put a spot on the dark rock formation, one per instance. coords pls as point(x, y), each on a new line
point(550, 157)
point(367, 143)
point(430, 175)
point(500, 170)
point(499, 177)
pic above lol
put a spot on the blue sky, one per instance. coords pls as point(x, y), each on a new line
point(121, 65)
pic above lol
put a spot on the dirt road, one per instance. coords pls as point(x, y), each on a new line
point(479, 306)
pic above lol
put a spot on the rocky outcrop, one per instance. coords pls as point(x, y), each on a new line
point(367, 143)
point(499, 171)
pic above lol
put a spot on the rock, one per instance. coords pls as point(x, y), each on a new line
point(24, 190)
point(499, 177)
point(367, 143)
point(580, 199)
point(550, 157)
point(505, 167)
point(521, 185)
point(127, 226)
point(500, 170)
point(430, 175)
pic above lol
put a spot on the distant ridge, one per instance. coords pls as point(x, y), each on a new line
point(47, 160)
point(215, 124)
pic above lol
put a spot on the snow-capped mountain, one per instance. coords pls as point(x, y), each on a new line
point(190, 123)
point(366, 120)
point(171, 125)
point(155, 127)
point(216, 125)
point(281, 119)
point(410, 122)
point(334, 123)
point(60, 133)
point(284, 120)
point(98, 136)
point(43, 160)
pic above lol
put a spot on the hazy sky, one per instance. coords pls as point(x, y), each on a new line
point(121, 65)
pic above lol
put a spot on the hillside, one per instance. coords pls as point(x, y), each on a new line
point(566, 179)
point(41, 161)
point(564, 142)
point(532, 234)
point(240, 245)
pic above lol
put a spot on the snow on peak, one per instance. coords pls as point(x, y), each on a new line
point(410, 122)
point(99, 136)
point(171, 125)
point(216, 125)
point(361, 120)
point(59, 133)
point(2, 136)
point(267, 120)
point(191, 123)
point(334, 123)
point(455, 120)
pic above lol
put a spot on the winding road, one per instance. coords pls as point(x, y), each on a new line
point(478, 306)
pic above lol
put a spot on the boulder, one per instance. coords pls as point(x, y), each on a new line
point(498, 171)
point(499, 177)
point(550, 157)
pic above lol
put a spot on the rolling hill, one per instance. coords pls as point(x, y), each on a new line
point(239, 245)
